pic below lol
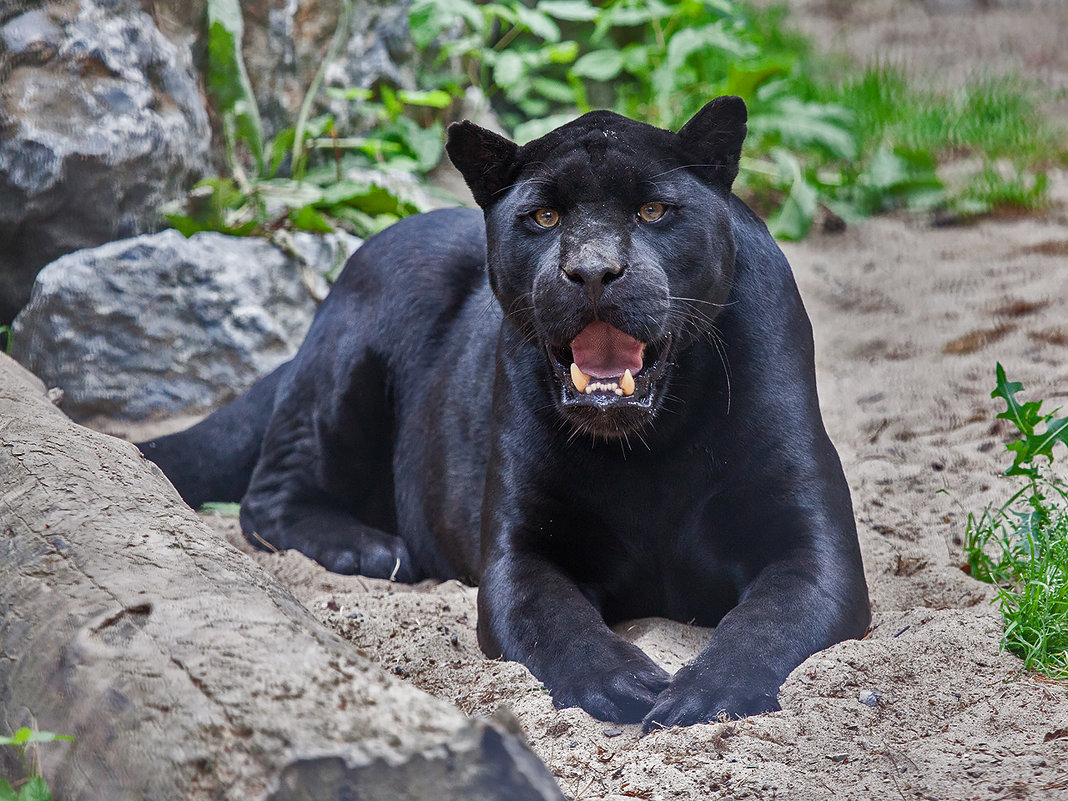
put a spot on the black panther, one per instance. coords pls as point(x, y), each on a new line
point(595, 399)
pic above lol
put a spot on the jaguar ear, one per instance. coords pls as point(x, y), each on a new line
point(713, 138)
point(486, 160)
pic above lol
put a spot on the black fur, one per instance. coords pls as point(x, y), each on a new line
point(428, 426)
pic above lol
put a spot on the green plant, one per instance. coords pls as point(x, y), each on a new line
point(221, 508)
point(5, 336)
point(277, 183)
point(823, 134)
point(1022, 546)
point(35, 788)
point(861, 144)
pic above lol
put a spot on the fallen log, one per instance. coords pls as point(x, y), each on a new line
point(182, 669)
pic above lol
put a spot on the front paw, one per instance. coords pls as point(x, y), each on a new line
point(622, 691)
point(696, 696)
point(388, 559)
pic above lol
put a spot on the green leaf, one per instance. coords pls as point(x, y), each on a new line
point(562, 52)
point(600, 65)
point(48, 737)
point(425, 144)
point(557, 91)
point(354, 93)
point(435, 98)
point(636, 58)
point(428, 19)
point(308, 218)
point(538, 23)
point(223, 509)
point(801, 125)
point(532, 129)
point(389, 99)
point(227, 79)
point(714, 38)
point(1023, 415)
point(1026, 417)
point(23, 735)
point(279, 148)
point(7, 793)
point(744, 80)
point(508, 69)
point(35, 790)
point(570, 10)
point(794, 219)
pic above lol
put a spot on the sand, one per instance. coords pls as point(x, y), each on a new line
point(909, 321)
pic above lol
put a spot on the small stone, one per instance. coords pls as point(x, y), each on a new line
point(870, 697)
point(612, 731)
point(838, 757)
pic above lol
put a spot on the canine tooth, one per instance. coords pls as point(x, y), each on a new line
point(579, 378)
point(626, 384)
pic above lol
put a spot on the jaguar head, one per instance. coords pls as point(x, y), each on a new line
point(609, 247)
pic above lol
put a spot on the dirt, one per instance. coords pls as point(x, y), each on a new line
point(909, 408)
point(909, 321)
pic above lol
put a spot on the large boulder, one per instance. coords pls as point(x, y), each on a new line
point(182, 669)
point(161, 325)
point(101, 121)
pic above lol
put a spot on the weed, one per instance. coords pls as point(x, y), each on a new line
point(867, 143)
point(271, 185)
point(822, 133)
point(1022, 546)
point(223, 509)
point(35, 788)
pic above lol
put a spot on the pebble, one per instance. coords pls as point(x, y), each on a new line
point(870, 697)
point(612, 731)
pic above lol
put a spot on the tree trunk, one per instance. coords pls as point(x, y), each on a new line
point(183, 670)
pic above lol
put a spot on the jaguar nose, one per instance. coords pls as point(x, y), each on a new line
point(594, 275)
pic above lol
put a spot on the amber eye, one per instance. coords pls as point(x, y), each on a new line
point(546, 218)
point(651, 212)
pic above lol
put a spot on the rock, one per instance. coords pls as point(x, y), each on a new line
point(102, 122)
point(869, 697)
point(286, 40)
point(160, 325)
point(182, 668)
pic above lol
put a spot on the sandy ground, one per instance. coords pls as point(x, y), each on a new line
point(909, 321)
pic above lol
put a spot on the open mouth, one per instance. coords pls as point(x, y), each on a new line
point(607, 367)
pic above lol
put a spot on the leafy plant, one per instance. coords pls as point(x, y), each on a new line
point(823, 135)
point(35, 788)
point(1022, 546)
point(5, 337)
point(273, 183)
point(859, 145)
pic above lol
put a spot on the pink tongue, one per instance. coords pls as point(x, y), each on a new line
point(602, 351)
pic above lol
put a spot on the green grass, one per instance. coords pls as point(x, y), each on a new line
point(34, 788)
point(1022, 546)
point(824, 133)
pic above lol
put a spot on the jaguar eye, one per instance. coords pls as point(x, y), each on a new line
point(651, 212)
point(546, 218)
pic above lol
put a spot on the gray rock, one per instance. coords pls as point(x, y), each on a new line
point(163, 325)
point(101, 121)
point(284, 48)
point(869, 697)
